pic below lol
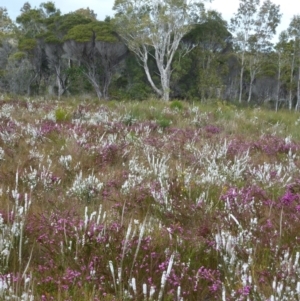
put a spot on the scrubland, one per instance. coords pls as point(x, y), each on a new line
point(148, 201)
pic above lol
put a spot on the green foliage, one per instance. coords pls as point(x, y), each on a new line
point(269, 65)
point(33, 50)
point(31, 22)
point(17, 56)
point(207, 61)
point(60, 25)
point(78, 83)
point(131, 82)
point(148, 26)
point(62, 115)
point(138, 91)
point(164, 122)
point(6, 24)
point(87, 13)
point(49, 9)
point(129, 119)
point(27, 44)
point(176, 105)
point(254, 25)
point(213, 29)
point(103, 31)
point(50, 38)
point(80, 33)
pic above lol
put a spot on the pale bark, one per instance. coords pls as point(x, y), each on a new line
point(60, 81)
point(254, 27)
point(157, 26)
point(298, 91)
point(241, 77)
point(250, 88)
point(92, 78)
point(294, 33)
point(254, 70)
point(291, 82)
point(278, 83)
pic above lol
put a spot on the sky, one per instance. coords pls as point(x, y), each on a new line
point(103, 8)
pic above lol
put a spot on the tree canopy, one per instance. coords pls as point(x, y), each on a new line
point(176, 48)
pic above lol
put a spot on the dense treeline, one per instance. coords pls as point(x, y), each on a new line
point(170, 49)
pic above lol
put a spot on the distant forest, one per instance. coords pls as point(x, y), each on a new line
point(169, 49)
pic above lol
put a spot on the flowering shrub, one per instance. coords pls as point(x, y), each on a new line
point(85, 188)
point(100, 204)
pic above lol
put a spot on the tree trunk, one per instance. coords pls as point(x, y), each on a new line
point(241, 78)
point(252, 76)
point(92, 79)
point(298, 91)
point(97, 90)
point(278, 83)
point(106, 84)
point(291, 82)
point(166, 95)
point(60, 88)
point(165, 83)
point(250, 92)
point(30, 83)
point(60, 82)
point(147, 71)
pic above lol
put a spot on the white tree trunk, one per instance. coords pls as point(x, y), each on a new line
point(252, 77)
point(278, 85)
point(143, 55)
point(59, 83)
point(291, 82)
point(298, 91)
point(160, 28)
point(241, 84)
point(241, 76)
point(165, 83)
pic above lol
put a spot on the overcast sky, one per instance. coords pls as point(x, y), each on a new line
point(104, 8)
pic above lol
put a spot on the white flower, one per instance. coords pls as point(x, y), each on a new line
point(85, 188)
point(2, 153)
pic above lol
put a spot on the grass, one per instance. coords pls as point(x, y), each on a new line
point(62, 115)
point(148, 201)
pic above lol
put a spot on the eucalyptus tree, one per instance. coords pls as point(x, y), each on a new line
point(20, 75)
point(210, 40)
point(112, 52)
point(254, 26)
point(31, 21)
point(32, 54)
point(31, 26)
point(285, 60)
point(6, 24)
point(53, 40)
point(155, 28)
point(99, 50)
point(54, 53)
point(294, 34)
point(8, 44)
point(267, 20)
point(25, 64)
point(87, 13)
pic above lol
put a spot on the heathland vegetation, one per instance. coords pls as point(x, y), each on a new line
point(148, 201)
point(109, 193)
